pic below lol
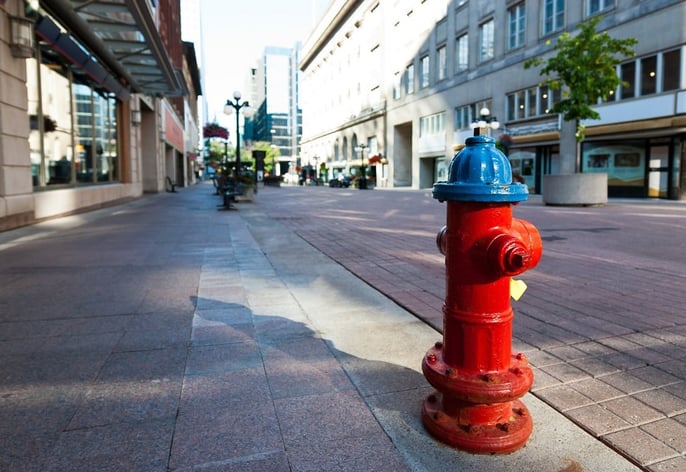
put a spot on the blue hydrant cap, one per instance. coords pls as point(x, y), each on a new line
point(480, 172)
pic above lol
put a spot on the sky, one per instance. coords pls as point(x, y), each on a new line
point(235, 33)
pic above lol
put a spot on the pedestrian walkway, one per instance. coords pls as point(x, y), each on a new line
point(602, 321)
point(166, 335)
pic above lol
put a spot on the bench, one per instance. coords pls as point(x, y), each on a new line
point(229, 194)
point(171, 185)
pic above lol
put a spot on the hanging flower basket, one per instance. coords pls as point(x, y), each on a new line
point(214, 130)
point(375, 159)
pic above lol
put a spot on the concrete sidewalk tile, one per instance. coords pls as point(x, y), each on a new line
point(676, 464)
point(632, 410)
point(626, 382)
point(46, 368)
point(657, 377)
point(35, 409)
point(324, 417)
point(25, 451)
point(596, 390)
point(594, 348)
point(641, 446)
point(597, 420)
point(677, 368)
point(217, 359)
point(670, 432)
point(123, 446)
point(543, 380)
point(594, 367)
point(225, 314)
point(542, 358)
point(278, 329)
point(367, 453)
point(222, 334)
point(563, 397)
point(234, 430)
point(271, 461)
point(678, 389)
point(156, 330)
point(565, 372)
point(207, 394)
point(623, 361)
point(663, 401)
point(127, 402)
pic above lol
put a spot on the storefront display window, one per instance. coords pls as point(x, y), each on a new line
point(624, 163)
point(73, 126)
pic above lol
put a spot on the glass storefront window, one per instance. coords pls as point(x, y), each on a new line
point(523, 162)
point(624, 163)
point(73, 126)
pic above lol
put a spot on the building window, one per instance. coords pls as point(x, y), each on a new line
point(424, 64)
point(531, 99)
point(671, 70)
point(462, 117)
point(553, 15)
point(461, 53)
point(486, 41)
point(596, 6)
point(396, 85)
point(409, 79)
point(649, 75)
point(432, 124)
point(467, 114)
point(516, 26)
point(628, 75)
point(442, 71)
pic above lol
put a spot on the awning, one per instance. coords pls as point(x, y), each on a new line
point(123, 35)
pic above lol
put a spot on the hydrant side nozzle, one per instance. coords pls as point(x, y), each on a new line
point(441, 242)
point(508, 255)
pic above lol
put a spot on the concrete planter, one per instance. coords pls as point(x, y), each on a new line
point(248, 195)
point(575, 189)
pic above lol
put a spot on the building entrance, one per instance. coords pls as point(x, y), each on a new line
point(658, 172)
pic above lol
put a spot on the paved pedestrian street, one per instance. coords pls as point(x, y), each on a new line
point(287, 335)
point(602, 319)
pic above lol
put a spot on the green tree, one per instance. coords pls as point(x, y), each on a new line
point(585, 69)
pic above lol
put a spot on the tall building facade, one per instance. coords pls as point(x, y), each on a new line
point(93, 105)
point(406, 79)
point(278, 118)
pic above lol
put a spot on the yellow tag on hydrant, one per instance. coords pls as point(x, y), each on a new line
point(517, 289)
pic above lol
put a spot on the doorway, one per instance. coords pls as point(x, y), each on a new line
point(659, 172)
point(402, 155)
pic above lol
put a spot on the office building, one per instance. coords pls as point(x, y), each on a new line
point(403, 81)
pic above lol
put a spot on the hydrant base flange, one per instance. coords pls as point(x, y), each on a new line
point(478, 387)
point(500, 438)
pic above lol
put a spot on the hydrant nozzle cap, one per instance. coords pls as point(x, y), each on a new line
point(480, 173)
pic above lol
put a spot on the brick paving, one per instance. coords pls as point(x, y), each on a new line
point(602, 321)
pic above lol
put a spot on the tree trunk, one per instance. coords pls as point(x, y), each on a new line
point(569, 148)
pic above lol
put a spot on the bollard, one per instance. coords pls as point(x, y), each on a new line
point(478, 381)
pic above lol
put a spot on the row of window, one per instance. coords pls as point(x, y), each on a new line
point(552, 20)
point(644, 76)
point(648, 75)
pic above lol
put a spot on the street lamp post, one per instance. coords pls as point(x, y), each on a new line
point(485, 121)
point(362, 183)
point(230, 107)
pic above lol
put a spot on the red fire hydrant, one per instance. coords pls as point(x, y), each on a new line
point(478, 380)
